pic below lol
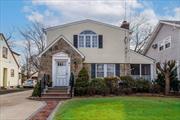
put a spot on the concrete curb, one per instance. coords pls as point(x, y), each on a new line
point(38, 110)
point(51, 116)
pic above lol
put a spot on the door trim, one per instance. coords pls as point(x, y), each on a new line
point(57, 57)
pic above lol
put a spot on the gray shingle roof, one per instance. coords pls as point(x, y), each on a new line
point(171, 21)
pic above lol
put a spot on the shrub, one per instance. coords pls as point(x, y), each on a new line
point(37, 90)
point(128, 81)
point(113, 84)
point(98, 87)
point(142, 85)
point(81, 84)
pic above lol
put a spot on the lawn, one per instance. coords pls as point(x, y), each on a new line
point(120, 108)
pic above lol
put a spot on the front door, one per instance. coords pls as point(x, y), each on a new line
point(61, 73)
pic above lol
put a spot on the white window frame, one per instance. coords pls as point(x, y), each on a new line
point(161, 43)
point(166, 41)
point(105, 70)
point(91, 40)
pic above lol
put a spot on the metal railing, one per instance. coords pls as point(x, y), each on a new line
point(71, 84)
point(44, 82)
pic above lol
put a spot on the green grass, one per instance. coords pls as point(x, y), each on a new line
point(120, 108)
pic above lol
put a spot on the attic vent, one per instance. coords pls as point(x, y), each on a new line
point(154, 46)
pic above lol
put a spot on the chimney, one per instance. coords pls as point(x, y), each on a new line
point(125, 25)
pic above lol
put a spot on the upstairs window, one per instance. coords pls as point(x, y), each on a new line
point(88, 39)
point(12, 72)
point(168, 42)
point(5, 52)
point(161, 46)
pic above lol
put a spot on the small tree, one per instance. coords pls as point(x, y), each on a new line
point(166, 69)
point(82, 81)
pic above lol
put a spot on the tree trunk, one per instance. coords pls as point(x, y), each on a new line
point(167, 84)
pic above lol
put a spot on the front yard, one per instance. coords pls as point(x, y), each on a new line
point(120, 108)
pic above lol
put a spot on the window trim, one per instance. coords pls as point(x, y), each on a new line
point(105, 70)
point(6, 54)
point(168, 40)
point(91, 40)
point(163, 42)
point(12, 72)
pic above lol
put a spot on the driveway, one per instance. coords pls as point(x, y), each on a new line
point(16, 106)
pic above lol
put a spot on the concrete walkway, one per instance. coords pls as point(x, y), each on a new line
point(16, 106)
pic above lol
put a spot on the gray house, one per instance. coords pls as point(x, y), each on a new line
point(164, 43)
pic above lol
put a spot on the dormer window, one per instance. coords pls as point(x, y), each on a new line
point(88, 39)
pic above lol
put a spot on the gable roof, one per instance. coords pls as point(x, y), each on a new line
point(56, 40)
point(156, 30)
point(12, 52)
point(86, 21)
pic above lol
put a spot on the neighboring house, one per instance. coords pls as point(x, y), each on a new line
point(9, 65)
point(164, 43)
point(102, 48)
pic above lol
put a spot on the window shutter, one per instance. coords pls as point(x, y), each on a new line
point(100, 38)
point(117, 70)
point(93, 70)
point(75, 41)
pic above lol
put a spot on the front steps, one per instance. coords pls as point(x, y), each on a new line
point(56, 93)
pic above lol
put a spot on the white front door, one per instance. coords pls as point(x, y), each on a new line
point(61, 73)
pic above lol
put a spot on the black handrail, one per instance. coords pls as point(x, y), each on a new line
point(71, 83)
point(44, 82)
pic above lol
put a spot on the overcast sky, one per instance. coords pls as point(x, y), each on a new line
point(16, 14)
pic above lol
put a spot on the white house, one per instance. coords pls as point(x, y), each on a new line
point(164, 43)
point(9, 65)
point(102, 48)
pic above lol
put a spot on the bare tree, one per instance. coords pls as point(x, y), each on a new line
point(35, 34)
point(141, 31)
point(166, 69)
point(34, 45)
point(9, 37)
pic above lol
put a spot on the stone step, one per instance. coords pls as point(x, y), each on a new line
point(55, 94)
point(57, 90)
point(55, 98)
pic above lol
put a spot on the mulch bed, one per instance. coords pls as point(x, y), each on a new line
point(46, 111)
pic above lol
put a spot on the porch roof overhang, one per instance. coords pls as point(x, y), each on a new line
point(67, 41)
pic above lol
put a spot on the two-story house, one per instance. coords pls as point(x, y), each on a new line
point(102, 48)
point(164, 43)
point(9, 65)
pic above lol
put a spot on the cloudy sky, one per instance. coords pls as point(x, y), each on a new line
point(16, 14)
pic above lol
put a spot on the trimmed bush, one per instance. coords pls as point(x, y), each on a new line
point(142, 85)
point(113, 84)
point(81, 84)
point(98, 87)
point(128, 81)
point(37, 90)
